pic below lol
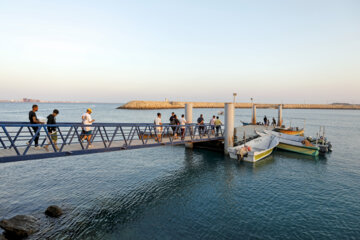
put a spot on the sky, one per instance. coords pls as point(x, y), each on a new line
point(115, 51)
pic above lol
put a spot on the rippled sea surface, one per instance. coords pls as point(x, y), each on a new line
point(177, 193)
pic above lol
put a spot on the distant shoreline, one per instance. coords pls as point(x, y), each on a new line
point(148, 105)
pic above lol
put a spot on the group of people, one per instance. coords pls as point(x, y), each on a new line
point(215, 124)
point(86, 132)
point(267, 121)
point(87, 121)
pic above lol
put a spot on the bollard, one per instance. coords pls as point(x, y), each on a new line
point(229, 127)
point(188, 117)
point(253, 118)
point(280, 119)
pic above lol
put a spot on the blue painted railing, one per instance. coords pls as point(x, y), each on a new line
point(17, 138)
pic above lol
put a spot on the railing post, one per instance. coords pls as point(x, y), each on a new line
point(280, 119)
point(188, 117)
point(229, 127)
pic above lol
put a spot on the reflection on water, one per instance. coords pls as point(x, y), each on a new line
point(178, 193)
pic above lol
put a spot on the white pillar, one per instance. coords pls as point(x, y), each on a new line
point(280, 119)
point(188, 112)
point(229, 127)
point(189, 118)
point(253, 118)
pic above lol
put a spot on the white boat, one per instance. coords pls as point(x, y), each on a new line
point(293, 143)
point(256, 149)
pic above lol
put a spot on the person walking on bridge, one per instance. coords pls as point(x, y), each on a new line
point(87, 122)
point(52, 130)
point(34, 120)
point(182, 124)
point(158, 127)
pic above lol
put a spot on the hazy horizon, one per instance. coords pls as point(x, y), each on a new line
point(117, 51)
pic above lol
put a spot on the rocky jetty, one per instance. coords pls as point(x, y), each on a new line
point(19, 227)
point(174, 105)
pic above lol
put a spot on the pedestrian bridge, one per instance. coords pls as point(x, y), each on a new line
point(17, 138)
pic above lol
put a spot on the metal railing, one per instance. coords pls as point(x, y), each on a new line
point(17, 138)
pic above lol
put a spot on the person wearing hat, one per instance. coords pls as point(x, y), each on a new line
point(86, 121)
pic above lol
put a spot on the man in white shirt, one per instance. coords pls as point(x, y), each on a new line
point(158, 127)
point(182, 124)
point(87, 121)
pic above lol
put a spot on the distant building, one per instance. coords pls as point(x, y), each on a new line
point(30, 100)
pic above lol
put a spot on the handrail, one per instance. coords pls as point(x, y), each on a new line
point(16, 138)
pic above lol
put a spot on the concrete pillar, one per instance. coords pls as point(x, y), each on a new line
point(280, 118)
point(189, 118)
point(188, 112)
point(229, 126)
point(253, 118)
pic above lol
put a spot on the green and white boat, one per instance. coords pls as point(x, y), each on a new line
point(292, 143)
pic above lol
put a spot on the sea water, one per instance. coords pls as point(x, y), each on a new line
point(170, 192)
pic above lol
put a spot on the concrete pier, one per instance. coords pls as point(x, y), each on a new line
point(253, 117)
point(280, 119)
point(189, 118)
point(229, 127)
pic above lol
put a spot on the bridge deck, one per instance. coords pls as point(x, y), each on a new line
point(106, 137)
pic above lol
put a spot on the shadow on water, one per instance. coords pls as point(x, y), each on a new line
point(104, 214)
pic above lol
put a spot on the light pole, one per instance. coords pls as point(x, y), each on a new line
point(234, 94)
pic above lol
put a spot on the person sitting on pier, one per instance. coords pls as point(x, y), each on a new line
point(34, 120)
point(183, 123)
point(218, 124)
point(52, 130)
point(212, 124)
point(200, 122)
point(87, 121)
point(158, 127)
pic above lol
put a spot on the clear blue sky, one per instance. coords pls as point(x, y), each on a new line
point(115, 51)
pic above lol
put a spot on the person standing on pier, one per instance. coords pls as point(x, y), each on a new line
point(212, 124)
point(182, 124)
point(218, 124)
point(34, 120)
point(172, 122)
point(176, 130)
point(265, 120)
point(52, 130)
point(200, 122)
point(158, 127)
point(87, 121)
point(274, 122)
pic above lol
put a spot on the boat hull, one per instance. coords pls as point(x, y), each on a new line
point(292, 132)
point(256, 156)
point(311, 151)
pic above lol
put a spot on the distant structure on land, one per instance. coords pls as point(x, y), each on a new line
point(30, 100)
